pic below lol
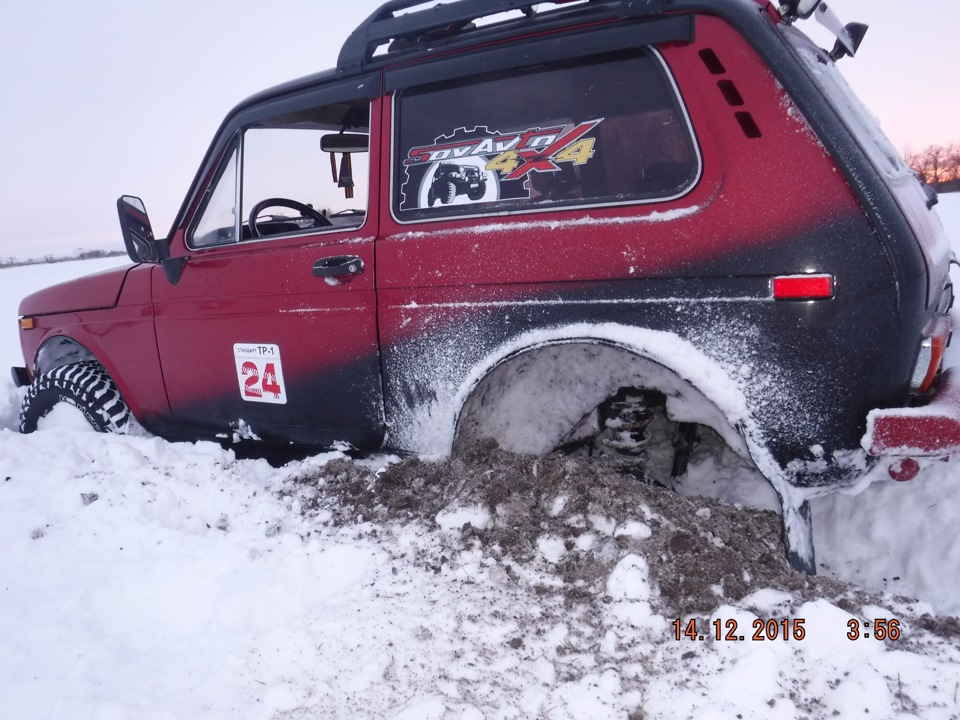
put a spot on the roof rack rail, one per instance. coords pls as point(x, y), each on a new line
point(385, 24)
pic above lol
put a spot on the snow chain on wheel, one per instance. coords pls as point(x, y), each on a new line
point(86, 386)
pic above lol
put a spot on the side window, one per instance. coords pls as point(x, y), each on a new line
point(603, 130)
point(302, 172)
point(218, 222)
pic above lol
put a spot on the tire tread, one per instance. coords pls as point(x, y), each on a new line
point(87, 386)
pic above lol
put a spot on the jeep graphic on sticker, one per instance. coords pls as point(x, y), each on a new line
point(260, 373)
point(480, 165)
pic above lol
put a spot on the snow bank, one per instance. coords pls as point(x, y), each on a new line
point(145, 580)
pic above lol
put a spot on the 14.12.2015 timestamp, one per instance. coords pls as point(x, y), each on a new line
point(786, 629)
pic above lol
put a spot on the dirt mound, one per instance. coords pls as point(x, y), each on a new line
point(578, 519)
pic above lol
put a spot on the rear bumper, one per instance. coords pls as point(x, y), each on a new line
point(931, 431)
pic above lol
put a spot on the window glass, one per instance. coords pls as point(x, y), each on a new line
point(218, 223)
point(595, 131)
point(306, 171)
point(289, 163)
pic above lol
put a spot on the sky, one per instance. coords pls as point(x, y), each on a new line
point(107, 97)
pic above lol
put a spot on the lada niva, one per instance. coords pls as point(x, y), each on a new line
point(615, 227)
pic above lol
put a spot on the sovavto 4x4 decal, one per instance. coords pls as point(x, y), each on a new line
point(481, 165)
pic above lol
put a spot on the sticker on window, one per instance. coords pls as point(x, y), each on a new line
point(481, 165)
point(260, 373)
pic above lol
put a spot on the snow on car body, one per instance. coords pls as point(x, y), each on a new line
point(669, 209)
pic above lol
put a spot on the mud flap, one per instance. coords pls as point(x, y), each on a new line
point(798, 534)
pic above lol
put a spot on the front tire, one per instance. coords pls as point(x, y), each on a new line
point(84, 385)
point(478, 192)
point(449, 193)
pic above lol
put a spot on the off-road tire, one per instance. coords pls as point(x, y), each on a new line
point(449, 193)
point(477, 192)
point(86, 386)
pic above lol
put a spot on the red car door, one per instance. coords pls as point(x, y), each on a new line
point(270, 330)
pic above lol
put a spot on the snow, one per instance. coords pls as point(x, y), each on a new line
point(147, 580)
point(585, 221)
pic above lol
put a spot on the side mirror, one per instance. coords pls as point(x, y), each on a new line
point(793, 9)
point(137, 233)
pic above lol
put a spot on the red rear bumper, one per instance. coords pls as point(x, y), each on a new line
point(932, 431)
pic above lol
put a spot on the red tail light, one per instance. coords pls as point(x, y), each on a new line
point(802, 287)
point(935, 341)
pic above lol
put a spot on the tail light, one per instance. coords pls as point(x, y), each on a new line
point(935, 341)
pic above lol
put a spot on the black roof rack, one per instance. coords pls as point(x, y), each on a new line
point(441, 21)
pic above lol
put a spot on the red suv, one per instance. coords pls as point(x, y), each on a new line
point(616, 227)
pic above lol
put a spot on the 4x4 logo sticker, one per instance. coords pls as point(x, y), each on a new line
point(541, 150)
point(260, 373)
point(486, 166)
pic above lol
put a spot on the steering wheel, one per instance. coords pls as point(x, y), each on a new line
point(319, 220)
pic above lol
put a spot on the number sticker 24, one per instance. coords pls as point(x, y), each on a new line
point(260, 373)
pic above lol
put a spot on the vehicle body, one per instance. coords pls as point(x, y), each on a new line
point(679, 196)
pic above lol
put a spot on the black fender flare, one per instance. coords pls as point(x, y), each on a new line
point(58, 351)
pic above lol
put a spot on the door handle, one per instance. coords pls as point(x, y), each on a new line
point(338, 266)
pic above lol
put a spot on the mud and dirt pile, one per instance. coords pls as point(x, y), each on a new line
point(577, 519)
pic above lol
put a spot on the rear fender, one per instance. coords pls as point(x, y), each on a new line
point(530, 400)
point(532, 391)
point(529, 392)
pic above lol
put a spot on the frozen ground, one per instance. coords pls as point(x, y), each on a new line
point(147, 580)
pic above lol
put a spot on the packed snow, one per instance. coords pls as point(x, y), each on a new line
point(150, 580)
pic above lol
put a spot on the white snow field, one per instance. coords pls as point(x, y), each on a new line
point(147, 580)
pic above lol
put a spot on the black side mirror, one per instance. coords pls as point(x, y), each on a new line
point(137, 234)
point(793, 9)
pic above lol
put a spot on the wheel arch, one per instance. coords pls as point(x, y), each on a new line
point(502, 396)
point(60, 350)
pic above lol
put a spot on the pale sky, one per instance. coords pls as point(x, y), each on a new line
point(106, 97)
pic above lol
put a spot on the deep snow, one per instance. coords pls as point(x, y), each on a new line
point(145, 579)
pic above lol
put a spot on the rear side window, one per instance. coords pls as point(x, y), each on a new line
point(603, 130)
